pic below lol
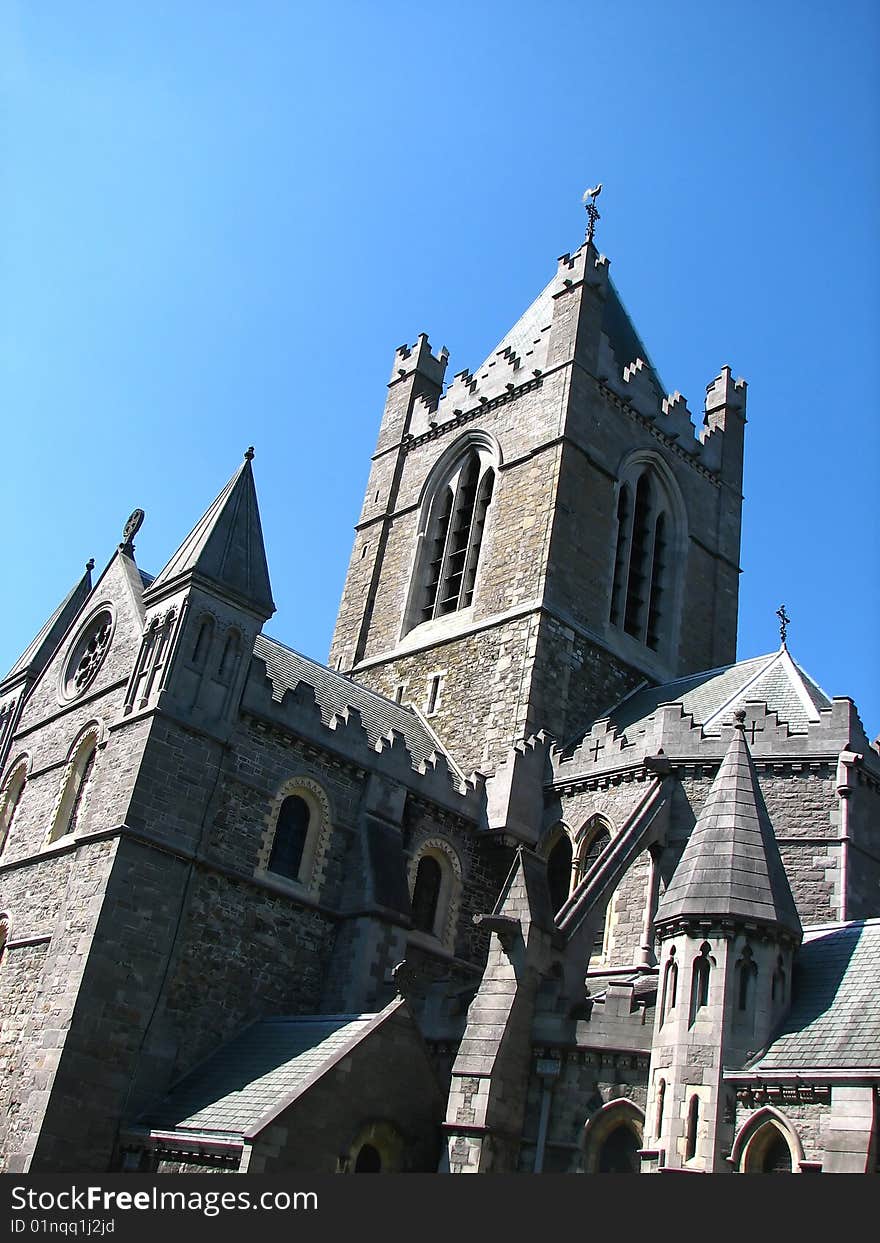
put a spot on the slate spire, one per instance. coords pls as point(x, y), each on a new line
point(225, 548)
point(731, 866)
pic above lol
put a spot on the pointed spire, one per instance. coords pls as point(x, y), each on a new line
point(226, 546)
point(36, 655)
point(731, 865)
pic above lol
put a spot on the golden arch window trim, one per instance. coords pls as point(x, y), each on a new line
point(449, 897)
point(76, 782)
point(11, 795)
point(313, 860)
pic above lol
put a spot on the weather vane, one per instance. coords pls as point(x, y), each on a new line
point(784, 622)
point(589, 202)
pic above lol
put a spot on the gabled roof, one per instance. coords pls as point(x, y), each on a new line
point(834, 1020)
point(262, 1070)
point(335, 693)
point(712, 697)
point(36, 655)
point(731, 865)
point(226, 546)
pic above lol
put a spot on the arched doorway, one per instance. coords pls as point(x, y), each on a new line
point(612, 1139)
point(619, 1152)
point(767, 1144)
point(368, 1161)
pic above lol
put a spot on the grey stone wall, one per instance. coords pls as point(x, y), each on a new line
point(588, 1080)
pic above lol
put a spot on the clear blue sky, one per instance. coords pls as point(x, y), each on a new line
point(220, 219)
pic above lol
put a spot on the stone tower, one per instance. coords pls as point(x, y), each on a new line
point(727, 929)
point(121, 741)
point(543, 534)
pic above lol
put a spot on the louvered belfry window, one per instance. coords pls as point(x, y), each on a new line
point(639, 596)
point(455, 536)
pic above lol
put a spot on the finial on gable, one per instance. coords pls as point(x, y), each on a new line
point(130, 530)
point(249, 453)
point(784, 623)
point(90, 565)
point(740, 717)
point(589, 202)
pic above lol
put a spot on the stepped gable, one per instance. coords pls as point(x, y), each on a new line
point(39, 651)
point(336, 695)
point(226, 547)
point(731, 866)
point(834, 1020)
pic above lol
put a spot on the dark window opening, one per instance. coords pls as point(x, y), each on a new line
point(559, 872)
point(620, 1152)
point(455, 538)
point(426, 894)
point(692, 1121)
point(368, 1161)
point(290, 837)
point(777, 1156)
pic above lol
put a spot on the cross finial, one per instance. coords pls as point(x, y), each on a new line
point(784, 622)
point(589, 202)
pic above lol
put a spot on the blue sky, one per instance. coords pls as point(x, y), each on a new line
point(221, 218)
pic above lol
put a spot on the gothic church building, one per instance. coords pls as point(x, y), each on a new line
point(533, 876)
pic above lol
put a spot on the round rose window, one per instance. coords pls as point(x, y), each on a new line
point(87, 654)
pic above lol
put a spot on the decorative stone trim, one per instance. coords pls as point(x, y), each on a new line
point(89, 740)
point(312, 868)
point(449, 899)
point(86, 653)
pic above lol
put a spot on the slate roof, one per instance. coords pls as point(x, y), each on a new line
point(834, 1021)
point(247, 1080)
point(731, 864)
point(712, 697)
point(226, 545)
point(334, 693)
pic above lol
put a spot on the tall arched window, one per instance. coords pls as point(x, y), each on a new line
point(559, 871)
point(229, 659)
point(451, 536)
point(10, 799)
point(661, 1101)
point(641, 596)
point(596, 838)
point(297, 833)
point(693, 1120)
point(76, 784)
point(291, 833)
point(435, 879)
point(203, 642)
point(746, 978)
point(777, 984)
point(670, 986)
point(426, 894)
point(700, 974)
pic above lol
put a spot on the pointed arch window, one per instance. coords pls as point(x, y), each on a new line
point(74, 794)
point(670, 986)
point(559, 871)
point(746, 980)
point(641, 596)
point(203, 641)
point(693, 1121)
point(451, 537)
point(229, 659)
point(10, 799)
point(661, 1101)
point(700, 974)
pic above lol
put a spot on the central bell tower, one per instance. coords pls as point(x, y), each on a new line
point(541, 535)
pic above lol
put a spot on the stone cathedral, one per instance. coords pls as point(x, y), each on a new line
point(532, 876)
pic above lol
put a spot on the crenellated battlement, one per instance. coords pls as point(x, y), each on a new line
point(419, 358)
point(318, 714)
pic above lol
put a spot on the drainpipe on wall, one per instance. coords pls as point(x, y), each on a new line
point(645, 956)
point(548, 1072)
